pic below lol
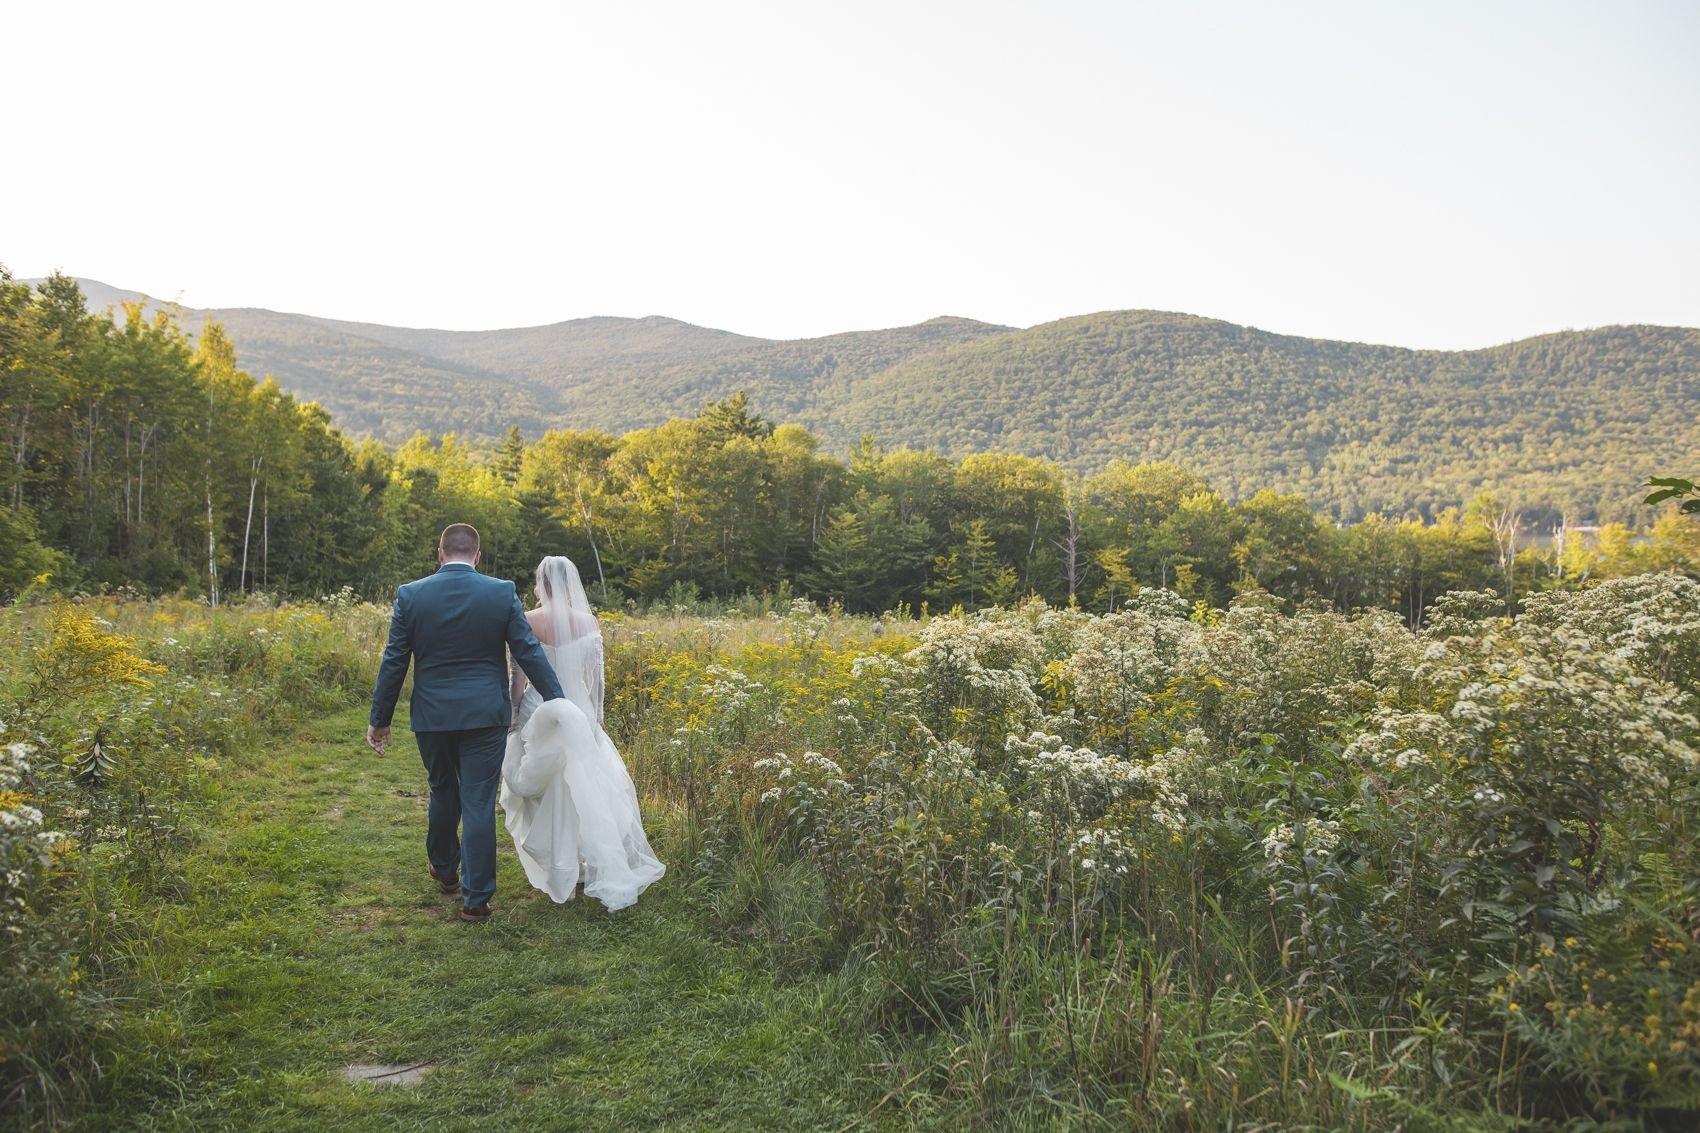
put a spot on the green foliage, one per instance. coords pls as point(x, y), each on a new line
point(1022, 867)
point(141, 458)
point(1566, 423)
point(109, 748)
point(1674, 488)
point(23, 559)
point(1358, 429)
point(1287, 870)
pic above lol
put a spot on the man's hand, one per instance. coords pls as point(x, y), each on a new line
point(377, 738)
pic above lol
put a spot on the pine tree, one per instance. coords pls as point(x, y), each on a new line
point(731, 417)
point(971, 573)
point(842, 566)
point(510, 455)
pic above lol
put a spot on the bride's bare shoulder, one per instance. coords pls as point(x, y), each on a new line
point(539, 619)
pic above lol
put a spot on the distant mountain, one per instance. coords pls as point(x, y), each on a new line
point(99, 295)
point(1576, 420)
point(1572, 421)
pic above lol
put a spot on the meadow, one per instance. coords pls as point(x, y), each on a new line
point(1171, 867)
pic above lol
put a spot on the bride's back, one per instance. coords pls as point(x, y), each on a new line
point(579, 625)
point(577, 662)
point(566, 625)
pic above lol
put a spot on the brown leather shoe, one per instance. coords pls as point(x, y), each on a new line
point(447, 883)
point(477, 914)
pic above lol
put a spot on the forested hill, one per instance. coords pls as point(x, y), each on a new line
point(1573, 421)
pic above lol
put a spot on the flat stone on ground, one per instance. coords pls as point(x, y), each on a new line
point(386, 1073)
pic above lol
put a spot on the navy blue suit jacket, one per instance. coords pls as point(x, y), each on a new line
point(457, 627)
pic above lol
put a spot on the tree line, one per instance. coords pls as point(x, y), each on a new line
point(1567, 424)
point(139, 457)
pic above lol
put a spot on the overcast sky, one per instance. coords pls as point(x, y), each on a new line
point(1423, 174)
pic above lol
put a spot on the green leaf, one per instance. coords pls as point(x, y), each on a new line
point(1361, 1091)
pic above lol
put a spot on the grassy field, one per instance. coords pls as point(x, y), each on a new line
point(319, 942)
point(1022, 869)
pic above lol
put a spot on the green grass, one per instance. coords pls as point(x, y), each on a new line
point(311, 938)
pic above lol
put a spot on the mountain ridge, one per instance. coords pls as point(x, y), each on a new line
point(100, 294)
point(1567, 420)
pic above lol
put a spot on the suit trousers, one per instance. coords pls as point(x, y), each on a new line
point(465, 770)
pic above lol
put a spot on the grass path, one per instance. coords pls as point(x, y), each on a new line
point(317, 941)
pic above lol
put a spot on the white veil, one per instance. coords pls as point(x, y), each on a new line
point(576, 632)
point(569, 798)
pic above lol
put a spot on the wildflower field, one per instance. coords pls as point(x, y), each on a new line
point(1165, 868)
point(117, 721)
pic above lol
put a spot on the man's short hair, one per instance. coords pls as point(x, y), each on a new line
point(460, 541)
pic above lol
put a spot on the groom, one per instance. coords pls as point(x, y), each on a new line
point(454, 625)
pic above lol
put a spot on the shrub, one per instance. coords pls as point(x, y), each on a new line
point(114, 714)
point(1365, 845)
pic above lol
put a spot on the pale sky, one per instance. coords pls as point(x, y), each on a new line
point(1428, 174)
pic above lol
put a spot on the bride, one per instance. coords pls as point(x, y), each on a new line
point(569, 801)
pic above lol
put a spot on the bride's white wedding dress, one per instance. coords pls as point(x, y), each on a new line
point(569, 802)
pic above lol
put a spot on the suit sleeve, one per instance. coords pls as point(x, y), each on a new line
point(528, 654)
point(392, 671)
